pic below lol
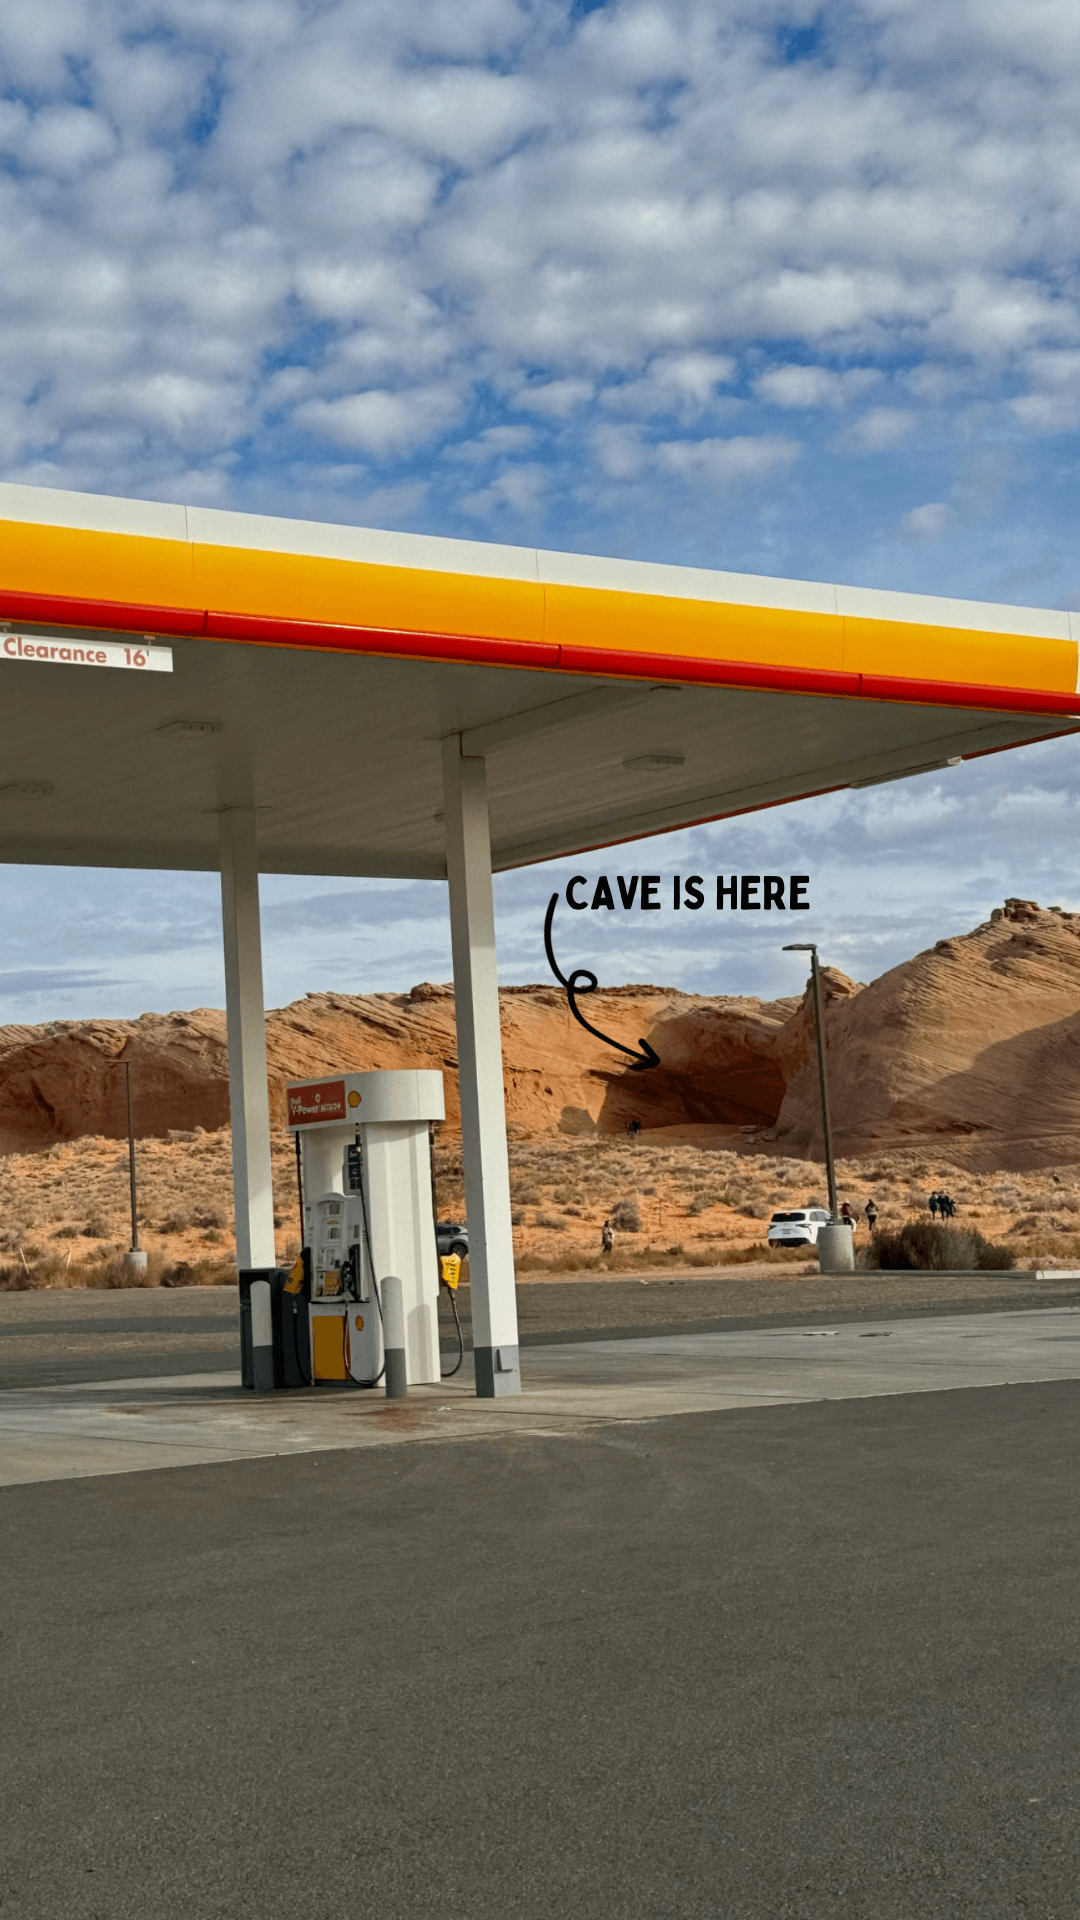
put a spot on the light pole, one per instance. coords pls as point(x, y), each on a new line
point(807, 946)
point(131, 1161)
point(135, 1260)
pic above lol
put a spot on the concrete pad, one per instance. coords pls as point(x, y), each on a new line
point(130, 1426)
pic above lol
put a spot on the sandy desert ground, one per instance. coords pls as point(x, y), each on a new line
point(65, 1210)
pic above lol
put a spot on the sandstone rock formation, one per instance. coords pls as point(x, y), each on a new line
point(61, 1081)
point(973, 1048)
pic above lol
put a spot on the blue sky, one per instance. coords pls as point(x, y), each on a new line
point(790, 289)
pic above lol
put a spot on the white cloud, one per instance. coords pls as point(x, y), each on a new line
point(1053, 405)
point(555, 398)
point(620, 452)
point(350, 223)
point(378, 422)
point(878, 428)
point(65, 140)
point(812, 387)
point(683, 384)
point(722, 461)
point(923, 523)
point(493, 444)
point(517, 489)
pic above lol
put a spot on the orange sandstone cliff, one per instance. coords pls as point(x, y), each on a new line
point(973, 1047)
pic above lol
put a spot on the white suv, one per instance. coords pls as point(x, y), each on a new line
point(797, 1229)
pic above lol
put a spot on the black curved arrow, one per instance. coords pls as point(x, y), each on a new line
point(582, 981)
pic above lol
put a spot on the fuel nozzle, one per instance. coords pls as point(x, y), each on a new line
point(299, 1280)
point(350, 1272)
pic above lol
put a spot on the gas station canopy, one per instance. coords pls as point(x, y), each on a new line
point(317, 670)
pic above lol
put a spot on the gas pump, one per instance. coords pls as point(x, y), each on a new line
point(365, 1174)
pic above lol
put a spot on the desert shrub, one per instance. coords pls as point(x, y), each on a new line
point(18, 1279)
point(529, 1196)
point(923, 1246)
point(648, 1258)
point(51, 1271)
point(753, 1256)
point(547, 1220)
point(626, 1216)
point(198, 1273)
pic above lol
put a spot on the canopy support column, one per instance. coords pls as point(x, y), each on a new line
point(249, 1097)
point(480, 1072)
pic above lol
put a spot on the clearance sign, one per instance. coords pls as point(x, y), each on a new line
point(60, 650)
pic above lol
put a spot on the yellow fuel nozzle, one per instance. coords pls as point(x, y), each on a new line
point(296, 1276)
point(450, 1270)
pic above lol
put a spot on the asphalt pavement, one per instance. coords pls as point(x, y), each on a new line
point(807, 1660)
point(73, 1337)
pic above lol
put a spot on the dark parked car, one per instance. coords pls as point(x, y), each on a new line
point(451, 1236)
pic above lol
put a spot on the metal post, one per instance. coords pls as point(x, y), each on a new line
point(249, 1099)
point(131, 1161)
point(483, 1109)
point(807, 946)
point(300, 1186)
point(826, 1128)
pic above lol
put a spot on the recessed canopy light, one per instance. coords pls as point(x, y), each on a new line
point(27, 790)
point(653, 762)
point(191, 727)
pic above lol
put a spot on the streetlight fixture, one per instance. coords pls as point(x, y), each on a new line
point(807, 946)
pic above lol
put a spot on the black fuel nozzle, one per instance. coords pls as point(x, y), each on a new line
point(350, 1272)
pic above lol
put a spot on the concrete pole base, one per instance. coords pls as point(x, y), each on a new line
point(836, 1249)
point(135, 1267)
point(397, 1385)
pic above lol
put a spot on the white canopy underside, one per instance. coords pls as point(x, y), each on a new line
point(340, 754)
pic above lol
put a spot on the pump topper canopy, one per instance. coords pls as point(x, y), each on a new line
point(317, 669)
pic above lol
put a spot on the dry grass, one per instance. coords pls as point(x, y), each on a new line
point(65, 1215)
point(64, 1212)
point(696, 1204)
point(110, 1272)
